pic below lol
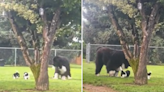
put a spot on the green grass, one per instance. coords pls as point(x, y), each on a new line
point(155, 84)
point(8, 84)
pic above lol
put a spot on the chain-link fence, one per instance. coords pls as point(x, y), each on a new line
point(155, 54)
point(13, 56)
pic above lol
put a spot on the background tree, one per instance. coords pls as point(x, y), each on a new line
point(65, 37)
point(125, 16)
point(25, 20)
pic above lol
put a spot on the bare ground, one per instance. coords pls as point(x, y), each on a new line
point(91, 88)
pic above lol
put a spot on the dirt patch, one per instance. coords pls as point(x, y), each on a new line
point(91, 88)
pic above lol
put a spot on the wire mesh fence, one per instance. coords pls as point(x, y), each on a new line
point(13, 56)
point(155, 54)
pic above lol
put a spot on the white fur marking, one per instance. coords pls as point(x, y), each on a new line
point(98, 74)
point(124, 75)
point(69, 77)
point(25, 77)
point(56, 76)
point(116, 74)
point(123, 66)
point(148, 77)
point(63, 69)
point(111, 73)
point(63, 78)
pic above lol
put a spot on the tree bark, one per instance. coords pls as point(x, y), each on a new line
point(21, 40)
point(141, 74)
point(35, 68)
point(48, 35)
point(147, 29)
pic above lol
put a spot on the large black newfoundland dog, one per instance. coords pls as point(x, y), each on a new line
point(112, 59)
point(62, 67)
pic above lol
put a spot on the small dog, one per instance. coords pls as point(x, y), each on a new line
point(26, 76)
point(148, 75)
point(125, 74)
point(16, 75)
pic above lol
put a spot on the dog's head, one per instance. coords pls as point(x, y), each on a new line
point(56, 60)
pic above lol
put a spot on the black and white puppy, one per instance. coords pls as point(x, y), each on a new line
point(125, 74)
point(16, 75)
point(62, 67)
point(149, 75)
point(116, 71)
point(26, 76)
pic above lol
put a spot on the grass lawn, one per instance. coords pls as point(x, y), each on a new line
point(155, 84)
point(8, 84)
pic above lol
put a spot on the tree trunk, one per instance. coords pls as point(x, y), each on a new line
point(48, 35)
point(141, 74)
point(147, 25)
point(43, 81)
point(134, 65)
point(35, 68)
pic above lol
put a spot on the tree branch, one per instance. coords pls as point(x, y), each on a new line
point(36, 45)
point(55, 23)
point(154, 15)
point(20, 39)
point(120, 33)
point(144, 19)
point(136, 41)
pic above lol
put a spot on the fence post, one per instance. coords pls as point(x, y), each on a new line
point(15, 59)
point(88, 52)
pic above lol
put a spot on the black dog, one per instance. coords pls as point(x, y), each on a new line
point(62, 67)
point(16, 75)
point(125, 74)
point(112, 59)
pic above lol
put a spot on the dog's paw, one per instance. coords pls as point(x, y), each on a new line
point(63, 77)
point(69, 77)
point(55, 76)
point(98, 74)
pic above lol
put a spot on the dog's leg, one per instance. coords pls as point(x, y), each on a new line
point(111, 73)
point(63, 77)
point(56, 76)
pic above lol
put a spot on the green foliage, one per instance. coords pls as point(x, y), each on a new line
point(126, 6)
point(26, 15)
point(98, 28)
point(65, 36)
point(155, 84)
point(126, 12)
